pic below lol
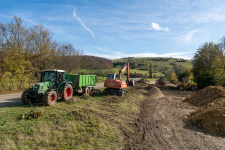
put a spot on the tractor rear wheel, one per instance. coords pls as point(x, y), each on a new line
point(67, 92)
point(50, 98)
point(26, 97)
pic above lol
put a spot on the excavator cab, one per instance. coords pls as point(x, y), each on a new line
point(111, 76)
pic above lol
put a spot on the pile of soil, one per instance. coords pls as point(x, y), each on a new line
point(210, 115)
point(206, 96)
point(155, 93)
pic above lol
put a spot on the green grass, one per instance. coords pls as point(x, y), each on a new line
point(91, 123)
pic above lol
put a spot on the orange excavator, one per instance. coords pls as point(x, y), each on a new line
point(117, 86)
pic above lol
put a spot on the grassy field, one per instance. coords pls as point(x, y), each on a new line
point(98, 122)
point(160, 64)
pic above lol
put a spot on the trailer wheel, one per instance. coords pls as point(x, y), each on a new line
point(87, 91)
point(67, 92)
point(91, 91)
point(50, 98)
point(26, 98)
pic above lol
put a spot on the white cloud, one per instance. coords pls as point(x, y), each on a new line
point(156, 27)
point(81, 22)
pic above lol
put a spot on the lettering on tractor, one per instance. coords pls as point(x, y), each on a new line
point(117, 86)
point(57, 84)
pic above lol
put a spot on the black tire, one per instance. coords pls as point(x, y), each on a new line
point(67, 92)
point(180, 87)
point(50, 98)
point(193, 88)
point(120, 92)
point(26, 98)
point(86, 91)
point(106, 91)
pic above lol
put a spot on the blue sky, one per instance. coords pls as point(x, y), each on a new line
point(125, 28)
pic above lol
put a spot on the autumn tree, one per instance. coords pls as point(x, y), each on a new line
point(205, 64)
point(68, 58)
point(43, 48)
point(13, 43)
point(168, 73)
point(173, 77)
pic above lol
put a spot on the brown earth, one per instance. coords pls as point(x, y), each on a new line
point(161, 125)
point(155, 93)
point(210, 115)
point(206, 96)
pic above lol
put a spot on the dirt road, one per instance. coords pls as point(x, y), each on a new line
point(10, 99)
point(161, 126)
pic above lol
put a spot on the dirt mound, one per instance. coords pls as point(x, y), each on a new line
point(210, 116)
point(206, 96)
point(155, 92)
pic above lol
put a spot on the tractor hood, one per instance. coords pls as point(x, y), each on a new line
point(41, 87)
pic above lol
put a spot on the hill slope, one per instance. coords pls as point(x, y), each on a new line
point(160, 64)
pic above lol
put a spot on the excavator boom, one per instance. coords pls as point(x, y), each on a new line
point(126, 66)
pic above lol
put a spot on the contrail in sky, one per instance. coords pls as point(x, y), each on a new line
point(78, 18)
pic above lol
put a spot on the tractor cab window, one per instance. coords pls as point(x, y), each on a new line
point(60, 76)
point(49, 76)
point(65, 77)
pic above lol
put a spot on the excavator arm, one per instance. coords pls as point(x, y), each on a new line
point(126, 66)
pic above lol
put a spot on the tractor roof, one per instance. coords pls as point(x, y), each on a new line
point(54, 70)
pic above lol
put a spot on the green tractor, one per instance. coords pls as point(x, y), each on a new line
point(53, 84)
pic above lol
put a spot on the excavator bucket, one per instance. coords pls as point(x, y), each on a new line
point(130, 83)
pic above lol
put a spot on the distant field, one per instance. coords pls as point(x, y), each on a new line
point(160, 64)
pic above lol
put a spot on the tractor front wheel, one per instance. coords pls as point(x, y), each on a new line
point(26, 97)
point(50, 98)
point(68, 92)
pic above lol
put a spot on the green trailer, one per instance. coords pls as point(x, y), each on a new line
point(56, 84)
point(83, 83)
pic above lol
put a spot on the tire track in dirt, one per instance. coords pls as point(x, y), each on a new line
point(161, 126)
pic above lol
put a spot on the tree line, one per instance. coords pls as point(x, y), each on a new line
point(24, 51)
point(208, 66)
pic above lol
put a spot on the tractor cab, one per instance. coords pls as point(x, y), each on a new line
point(53, 75)
point(51, 79)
